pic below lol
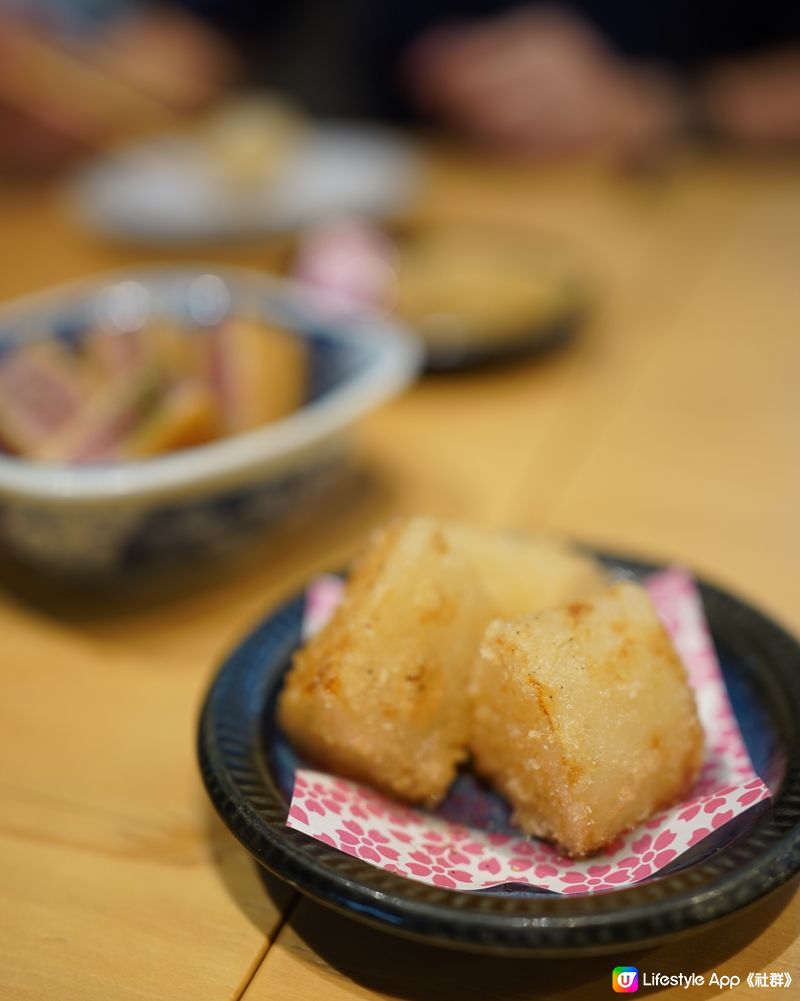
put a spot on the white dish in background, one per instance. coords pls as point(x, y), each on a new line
point(102, 519)
point(167, 189)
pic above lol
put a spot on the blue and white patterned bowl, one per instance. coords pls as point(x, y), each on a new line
point(104, 519)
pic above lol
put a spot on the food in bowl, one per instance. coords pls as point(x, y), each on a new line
point(454, 641)
point(110, 395)
point(110, 518)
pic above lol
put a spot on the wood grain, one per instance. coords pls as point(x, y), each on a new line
point(321, 955)
point(667, 428)
point(115, 878)
point(665, 431)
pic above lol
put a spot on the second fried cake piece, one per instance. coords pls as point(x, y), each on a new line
point(522, 574)
point(380, 695)
point(583, 718)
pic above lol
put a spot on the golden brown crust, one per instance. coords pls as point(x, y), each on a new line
point(380, 695)
point(522, 574)
point(583, 718)
point(580, 714)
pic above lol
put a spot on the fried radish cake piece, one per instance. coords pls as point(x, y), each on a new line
point(583, 718)
point(380, 695)
point(524, 574)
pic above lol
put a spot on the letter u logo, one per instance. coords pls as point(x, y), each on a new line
point(625, 979)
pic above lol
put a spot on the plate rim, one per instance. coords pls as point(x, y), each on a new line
point(556, 925)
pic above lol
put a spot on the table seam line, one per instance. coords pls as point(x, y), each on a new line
point(271, 940)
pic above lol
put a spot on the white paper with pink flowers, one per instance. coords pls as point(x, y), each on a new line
point(359, 821)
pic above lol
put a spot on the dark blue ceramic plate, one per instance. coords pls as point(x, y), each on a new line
point(537, 339)
point(248, 769)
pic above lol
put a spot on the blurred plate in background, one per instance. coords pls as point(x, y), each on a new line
point(477, 294)
point(473, 294)
point(175, 188)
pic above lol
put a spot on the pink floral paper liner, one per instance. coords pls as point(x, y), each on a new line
point(360, 822)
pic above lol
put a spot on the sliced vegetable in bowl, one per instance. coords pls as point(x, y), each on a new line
point(118, 395)
point(229, 389)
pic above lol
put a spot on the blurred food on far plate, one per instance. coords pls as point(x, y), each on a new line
point(472, 293)
point(256, 165)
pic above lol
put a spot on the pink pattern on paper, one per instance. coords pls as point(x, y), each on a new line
point(322, 597)
point(359, 821)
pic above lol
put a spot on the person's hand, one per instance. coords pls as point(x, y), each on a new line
point(167, 53)
point(541, 81)
point(755, 100)
point(141, 73)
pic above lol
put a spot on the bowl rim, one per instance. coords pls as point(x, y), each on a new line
point(394, 358)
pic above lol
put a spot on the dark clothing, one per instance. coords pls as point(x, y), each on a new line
point(341, 56)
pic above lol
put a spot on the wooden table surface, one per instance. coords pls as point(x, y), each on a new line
point(670, 428)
